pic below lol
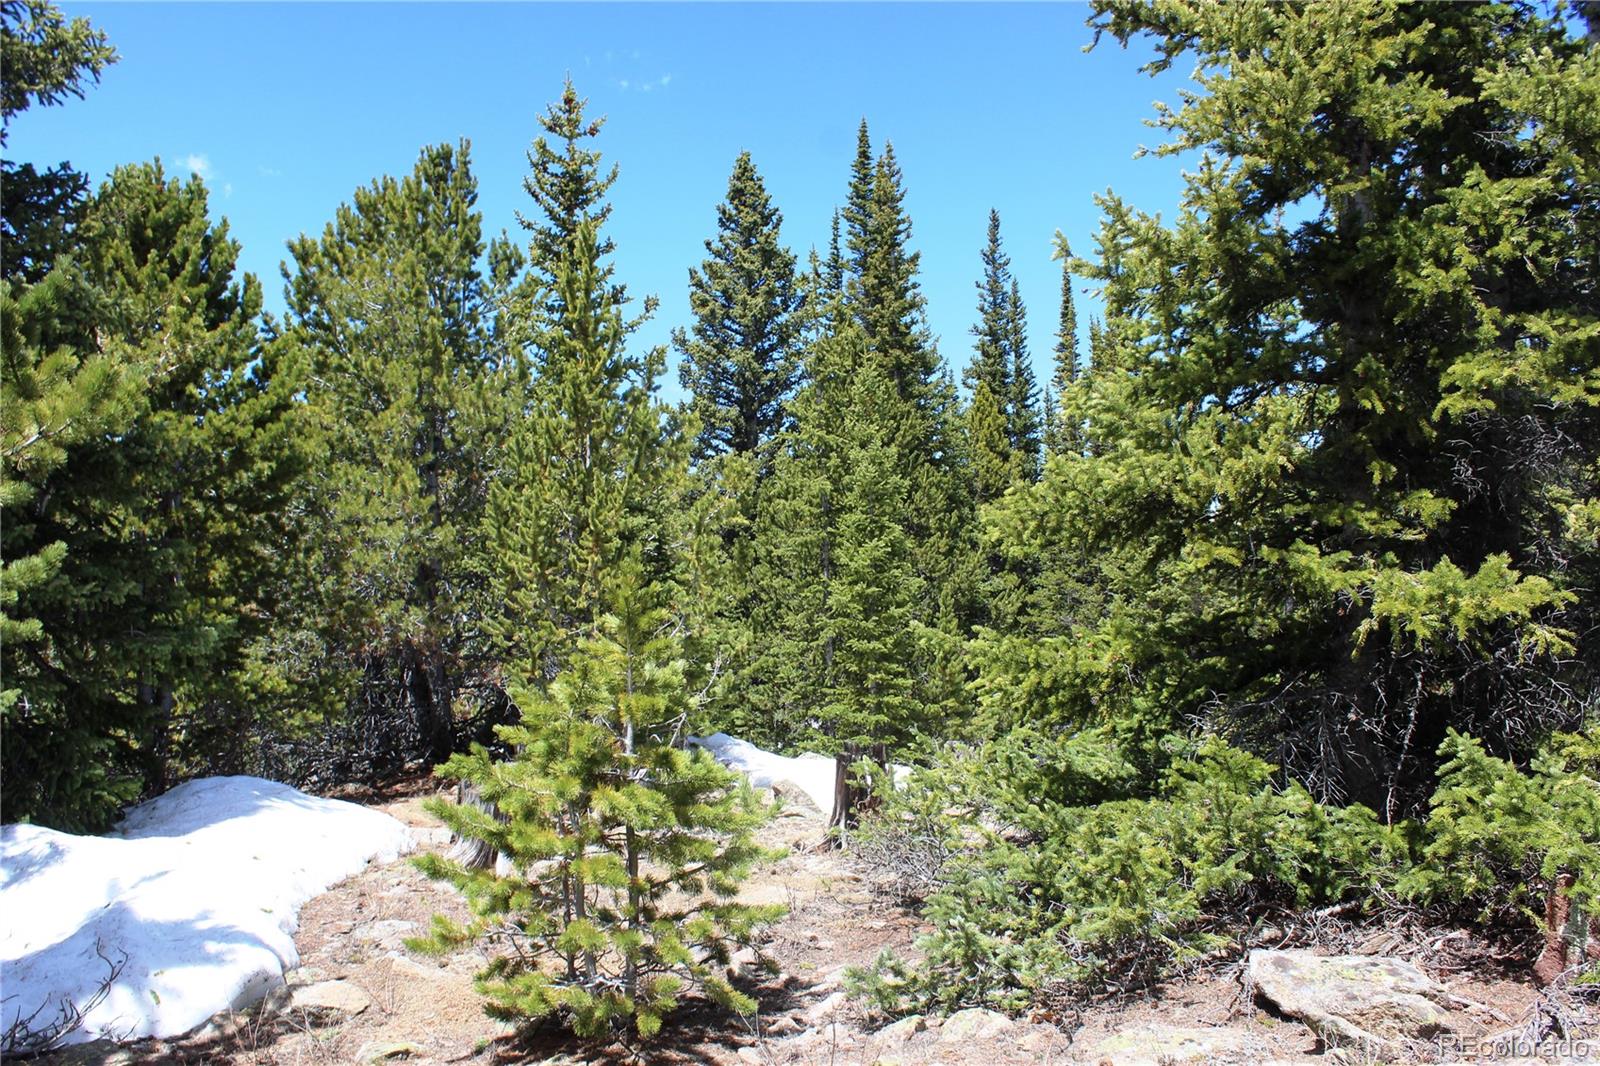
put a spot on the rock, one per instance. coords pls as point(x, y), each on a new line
point(974, 1023)
point(795, 798)
point(373, 1052)
point(1372, 1002)
point(901, 1031)
point(389, 934)
point(834, 978)
point(745, 962)
point(830, 1006)
point(1173, 1045)
point(404, 966)
point(333, 997)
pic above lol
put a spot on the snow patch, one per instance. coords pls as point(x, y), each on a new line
point(200, 889)
point(813, 773)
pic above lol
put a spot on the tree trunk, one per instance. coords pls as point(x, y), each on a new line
point(849, 798)
point(1570, 938)
point(474, 854)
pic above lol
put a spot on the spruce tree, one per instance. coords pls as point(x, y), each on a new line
point(46, 59)
point(857, 214)
point(991, 362)
point(740, 359)
point(1022, 407)
point(1342, 440)
point(835, 589)
point(1058, 438)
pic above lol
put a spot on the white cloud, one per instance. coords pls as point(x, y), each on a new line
point(227, 189)
point(197, 163)
point(270, 172)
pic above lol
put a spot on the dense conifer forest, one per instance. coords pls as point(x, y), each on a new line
point(1280, 591)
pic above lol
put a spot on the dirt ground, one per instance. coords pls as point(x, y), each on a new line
point(425, 1010)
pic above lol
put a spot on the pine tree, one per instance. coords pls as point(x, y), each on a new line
point(740, 362)
point(582, 480)
point(627, 850)
point(138, 531)
point(389, 312)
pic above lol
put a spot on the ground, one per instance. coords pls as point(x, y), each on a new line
point(423, 1010)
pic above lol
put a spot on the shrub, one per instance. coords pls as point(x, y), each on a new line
point(1498, 837)
point(1057, 893)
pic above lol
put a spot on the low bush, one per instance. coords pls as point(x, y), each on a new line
point(1498, 837)
point(1059, 879)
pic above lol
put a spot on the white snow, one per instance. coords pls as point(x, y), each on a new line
point(200, 889)
point(813, 773)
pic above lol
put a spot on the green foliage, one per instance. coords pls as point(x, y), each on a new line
point(836, 592)
point(1339, 432)
point(389, 316)
point(1060, 876)
point(1497, 836)
point(626, 850)
point(741, 358)
point(46, 59)
point(149, 449)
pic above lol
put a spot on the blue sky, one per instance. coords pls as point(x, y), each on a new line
point(286, 109)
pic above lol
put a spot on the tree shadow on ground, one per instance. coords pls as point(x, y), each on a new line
point(688, 1036)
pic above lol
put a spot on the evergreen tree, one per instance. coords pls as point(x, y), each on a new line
point(627, 849)
point(1023, 401)
point(991, 362)
point(1342, 465)
point(833, 273)
point(858, 202)
point(138, 530)
point(568, 187)
point(835, 590)
point(1001, 364)
point(46, 59)
point(583, 481)
point(1066, 349)
point(994, 463)
point(389, 313)
point(740, 362)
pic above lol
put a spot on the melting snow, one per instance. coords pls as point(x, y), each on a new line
point(200, 889)
point(813, 773)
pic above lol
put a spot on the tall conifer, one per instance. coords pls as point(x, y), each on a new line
point(740, 358)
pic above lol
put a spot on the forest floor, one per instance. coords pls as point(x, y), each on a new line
point(410, 1008)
